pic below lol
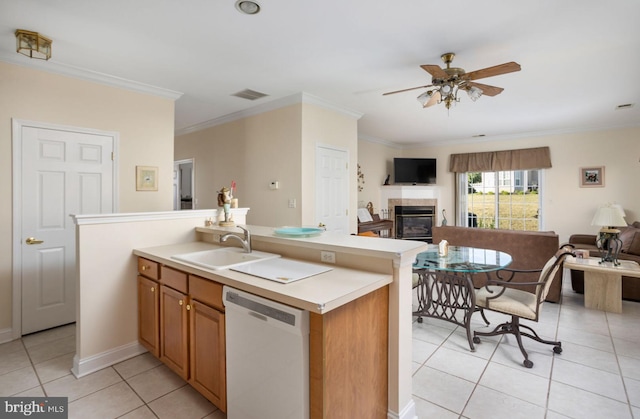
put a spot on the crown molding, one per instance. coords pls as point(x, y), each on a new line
point(298, 98)
point(54, 67)
point(381, 141)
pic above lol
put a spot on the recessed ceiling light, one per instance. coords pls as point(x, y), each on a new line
point(625, 106)
point(248, 7)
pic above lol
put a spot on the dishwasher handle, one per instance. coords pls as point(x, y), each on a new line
point(273, 313)
point(258, 316)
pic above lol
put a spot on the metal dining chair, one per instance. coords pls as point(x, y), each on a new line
point(503, 296)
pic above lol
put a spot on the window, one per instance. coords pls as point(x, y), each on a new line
point(504, 199)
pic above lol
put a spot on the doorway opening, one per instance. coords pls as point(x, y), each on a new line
point(184, 185)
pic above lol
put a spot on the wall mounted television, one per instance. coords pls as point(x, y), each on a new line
point(414, 170)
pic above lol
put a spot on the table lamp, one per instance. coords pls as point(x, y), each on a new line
point(608, 217)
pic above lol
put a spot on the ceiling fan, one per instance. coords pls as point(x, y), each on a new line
point(446, 82)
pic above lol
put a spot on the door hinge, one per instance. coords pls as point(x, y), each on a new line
point(113, 156)
point(346, 212)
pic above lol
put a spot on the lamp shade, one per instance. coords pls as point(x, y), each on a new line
point(619, 208)
point(608, 216)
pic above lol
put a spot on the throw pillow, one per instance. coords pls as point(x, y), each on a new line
point(636, 224)
point(634, 247)
point(626, 236)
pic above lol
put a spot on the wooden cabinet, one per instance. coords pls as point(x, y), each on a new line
point(348, 359)
point(174, 321)
point(149, 315)
point(149, 305)
point(174, 337)
point(207, 341)
point(208, 353)
point(181, 321)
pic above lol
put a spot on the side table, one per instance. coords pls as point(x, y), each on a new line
point(603, 281)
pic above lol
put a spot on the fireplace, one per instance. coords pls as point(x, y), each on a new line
point(414, 222)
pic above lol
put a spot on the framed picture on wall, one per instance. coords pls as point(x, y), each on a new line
point(146, 178)
point(592, 177)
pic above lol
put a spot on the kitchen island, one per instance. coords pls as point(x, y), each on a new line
point(365, 268)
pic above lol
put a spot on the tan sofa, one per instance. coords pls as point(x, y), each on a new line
point(528, 249)
point(630, 237)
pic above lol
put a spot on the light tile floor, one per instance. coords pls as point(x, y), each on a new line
point(139, 388)
point(596, 376)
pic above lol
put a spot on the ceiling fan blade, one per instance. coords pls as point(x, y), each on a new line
point(486, 89)
point(435, 71)
point(435, 98)
point(406, 90)
point(493, 71)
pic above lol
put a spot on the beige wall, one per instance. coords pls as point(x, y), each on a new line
point(376, 162)
point(326, 127)
point(145, 124)
point(568, 209)
point(276, 145)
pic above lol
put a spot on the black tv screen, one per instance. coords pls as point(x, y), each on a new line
point(414, 171)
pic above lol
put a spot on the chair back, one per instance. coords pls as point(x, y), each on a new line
point(553, 265)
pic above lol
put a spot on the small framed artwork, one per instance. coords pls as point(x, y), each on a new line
point(146, 178)
point(592, 177)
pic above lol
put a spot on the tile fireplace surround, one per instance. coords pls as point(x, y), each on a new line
point(397, 195)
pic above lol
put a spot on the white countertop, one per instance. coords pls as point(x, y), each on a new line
point(319, 294)
point(369, 246)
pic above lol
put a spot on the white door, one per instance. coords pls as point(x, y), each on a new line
point(62, 173)
point(332, 188)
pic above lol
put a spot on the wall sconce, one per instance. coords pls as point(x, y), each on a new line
point(33, 45)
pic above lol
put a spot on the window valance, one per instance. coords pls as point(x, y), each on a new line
point(494, 161)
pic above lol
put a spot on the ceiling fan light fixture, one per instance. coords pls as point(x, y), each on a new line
point(425, 97)
point(474, 93)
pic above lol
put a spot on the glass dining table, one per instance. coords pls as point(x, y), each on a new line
point(445, 287)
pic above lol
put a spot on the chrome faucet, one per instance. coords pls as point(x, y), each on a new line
point(246, 241)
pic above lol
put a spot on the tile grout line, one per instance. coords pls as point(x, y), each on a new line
point(33, 367)
point(615, 352)
point(144, 403)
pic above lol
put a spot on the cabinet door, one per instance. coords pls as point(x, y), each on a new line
point(174, 343)
point(208, 354)
point(148, 315)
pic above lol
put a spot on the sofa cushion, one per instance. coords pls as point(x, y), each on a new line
point(626, 236)
point(634, 247)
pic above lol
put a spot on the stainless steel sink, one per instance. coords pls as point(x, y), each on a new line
point(224, 258)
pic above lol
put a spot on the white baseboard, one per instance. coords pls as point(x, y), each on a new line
point(409, 412)
point(85, 366)
point(6, 335)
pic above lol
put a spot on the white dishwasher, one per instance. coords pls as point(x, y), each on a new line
point(267, 358)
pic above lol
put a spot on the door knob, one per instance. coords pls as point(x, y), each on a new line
point(33, 240)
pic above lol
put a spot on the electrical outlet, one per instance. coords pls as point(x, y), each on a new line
point(292, 203)
point(327, 257)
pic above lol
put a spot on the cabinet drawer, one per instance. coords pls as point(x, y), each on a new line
point(148, 268)
point(206, 291)
point(173, 278)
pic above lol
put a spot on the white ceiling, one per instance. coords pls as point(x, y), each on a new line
point(580, 58)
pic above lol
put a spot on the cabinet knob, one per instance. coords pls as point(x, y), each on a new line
point(180, 302)
point(188, 307)
point(144, 267)
point(153, 289)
